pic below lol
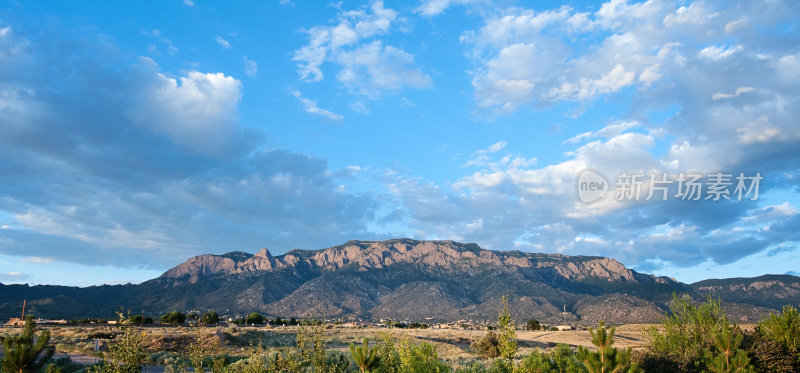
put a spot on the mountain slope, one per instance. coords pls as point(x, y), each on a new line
point(405, 279)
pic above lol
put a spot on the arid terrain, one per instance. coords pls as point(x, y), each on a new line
point(451, 344)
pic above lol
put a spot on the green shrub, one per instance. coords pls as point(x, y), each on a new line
point(487, 347)
point(174, 317)
point(26, 352)
point(605, 358)
point(126, 354)
point(766, 354)
point(421, 358)
point(725, 355)
point(209, 318)
point(784, 328)
point(507, 335)
point(367, 359)
point(254, 318)
point(687, 333)
point(532, 325)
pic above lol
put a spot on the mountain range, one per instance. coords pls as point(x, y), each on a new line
point(406, 279)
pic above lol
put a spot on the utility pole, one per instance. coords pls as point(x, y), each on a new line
point(23, 311)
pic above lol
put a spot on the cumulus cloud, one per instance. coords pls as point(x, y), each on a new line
point(199, 112)
point(525, 57)
point(366, 65)
point(144, 169)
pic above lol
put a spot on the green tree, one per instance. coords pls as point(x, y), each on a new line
point(606, 358)
point(254, 318)
point(532, 325)
point(312, 345)
point(210, 318)
point(725, 355)
point(388, 355)
point(685, 332)
point(783, 328)
point(126, 354)
point(366, 358)
point(26, 352)
point(507, 333)
point(174, 317)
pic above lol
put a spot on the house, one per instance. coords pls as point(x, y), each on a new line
point(15, 321)
point(564, 327)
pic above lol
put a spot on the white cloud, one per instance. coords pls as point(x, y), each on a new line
point(222, 42)
point(250, 67)
point(736, 25)
point(200, 112)
point(611, 130)
point(739, 91)
point(718, 52)
point(189, 3)
point(360, 107)
point(373, 68)
point(496, 147)
point(430, 8)
point(310, 106)
point(526, 57)
point(367, 66)
point(586, 88)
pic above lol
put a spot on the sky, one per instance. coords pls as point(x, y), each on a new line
point(137, 134)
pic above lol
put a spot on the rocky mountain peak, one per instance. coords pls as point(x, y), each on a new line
point(366, 255)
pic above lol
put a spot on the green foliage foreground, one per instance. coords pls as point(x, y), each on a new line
point(693, 337)
point(26, 353)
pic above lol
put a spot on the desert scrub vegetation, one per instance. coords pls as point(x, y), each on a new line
point(692, 337)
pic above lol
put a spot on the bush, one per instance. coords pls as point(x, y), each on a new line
point(687, 333)
point(174, 317)
point(532, 325)
point(367, 359)
point(254, 318)
point(210, 318)
point(766, 354)
point(421, 358)
point(784, 328)
point(487, 347)
point(137, 320)
point(725, 354)
point(507, 337)
point(606, 358)
point(126, 354)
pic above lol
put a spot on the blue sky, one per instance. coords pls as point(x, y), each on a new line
point(134, 135)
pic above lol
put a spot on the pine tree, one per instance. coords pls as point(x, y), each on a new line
point(26, 353)
point(607, 358)
point(727, 357)
point(365, 358)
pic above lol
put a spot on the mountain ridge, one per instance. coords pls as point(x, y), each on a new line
point(407, 279)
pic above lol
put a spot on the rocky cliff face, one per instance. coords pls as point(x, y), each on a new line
point(448, 255)
point(406, 279)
